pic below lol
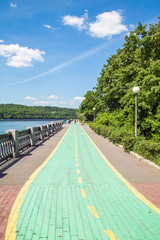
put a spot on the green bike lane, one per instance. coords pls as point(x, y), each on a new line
point(76, 195)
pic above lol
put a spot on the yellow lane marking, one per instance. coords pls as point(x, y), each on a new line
point(76, 155)
point(77, 164)
point(110, 234)
point(80, 180)
point(132, 189)
point(94, 212)
point(84, 194)
point(76, 159)
point(78, 171)
point(13, 217)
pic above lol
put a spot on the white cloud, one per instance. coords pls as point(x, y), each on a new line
point(76, 101)
point(20, 56)
point(13, 5)
point(74, 21)
point(48, 26)
point(52, 97)
point(1, 41)
point(42, 103)
point(79, 99)
point(107, 24)
point(30, 98)
point(67, 63)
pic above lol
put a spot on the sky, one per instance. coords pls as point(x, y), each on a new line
point(53, 51)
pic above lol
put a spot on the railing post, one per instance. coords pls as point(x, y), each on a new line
point(14, 134)
point(31, 135)
point(41, 130)
point(48, 133)
point(52, 128)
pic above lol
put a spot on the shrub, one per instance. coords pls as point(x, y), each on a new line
point(148, 149)
point(117, 135)
point(106, 131)
point(129, 141)
point(97, 129)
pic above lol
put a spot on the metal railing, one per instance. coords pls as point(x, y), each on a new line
point(24, 139)
point(14, 142)
point(6, 147)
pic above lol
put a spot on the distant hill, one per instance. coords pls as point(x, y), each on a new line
point(17, 111)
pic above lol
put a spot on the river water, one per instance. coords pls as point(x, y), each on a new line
point(22, 124)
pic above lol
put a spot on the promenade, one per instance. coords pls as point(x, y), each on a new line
point(84, 188)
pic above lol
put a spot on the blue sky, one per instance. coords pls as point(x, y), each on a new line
point(52, 51)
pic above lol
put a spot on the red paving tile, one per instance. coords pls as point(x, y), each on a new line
point(8, 195)
point(150, 190)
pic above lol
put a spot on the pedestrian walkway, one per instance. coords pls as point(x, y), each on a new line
point(76, 194)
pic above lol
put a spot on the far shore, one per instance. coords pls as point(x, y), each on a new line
point(38, 119)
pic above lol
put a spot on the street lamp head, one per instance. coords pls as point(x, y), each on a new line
point(136, 90)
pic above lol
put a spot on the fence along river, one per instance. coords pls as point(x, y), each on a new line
point(14, 142)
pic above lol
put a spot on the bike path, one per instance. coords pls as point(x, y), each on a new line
point(76, 194)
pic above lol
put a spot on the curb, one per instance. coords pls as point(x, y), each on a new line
point(152, 164)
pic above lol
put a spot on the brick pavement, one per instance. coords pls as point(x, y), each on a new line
point(150, 190)
point(8, 195)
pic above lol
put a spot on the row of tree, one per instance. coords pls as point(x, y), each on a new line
point(16, 111)
point(137, 63)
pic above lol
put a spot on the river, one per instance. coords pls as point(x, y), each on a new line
point(22, 124)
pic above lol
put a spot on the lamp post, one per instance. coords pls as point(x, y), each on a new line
point(94, 113)
point(136, 90)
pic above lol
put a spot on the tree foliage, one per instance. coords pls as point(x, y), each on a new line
point(137, 63)
point(15, 111)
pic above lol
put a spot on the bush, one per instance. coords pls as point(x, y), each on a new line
point(106, 131)
point(95, 127)
point(129, 141)
point(117, 135)
point(148, 149)
point(103, 130)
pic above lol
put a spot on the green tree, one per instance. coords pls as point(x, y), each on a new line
point(137, 63)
